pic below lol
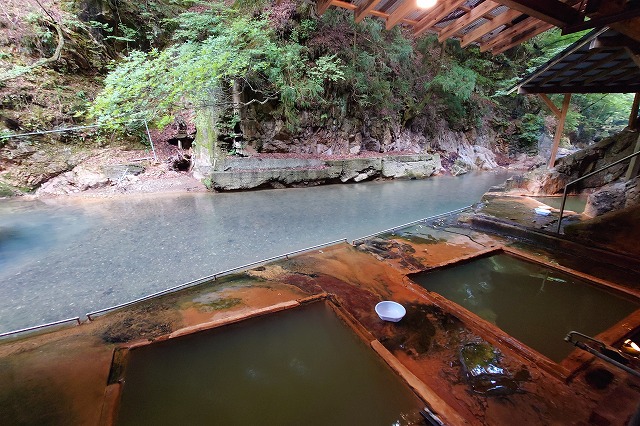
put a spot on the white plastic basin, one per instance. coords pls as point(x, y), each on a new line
point(542, 211)
point(390, 311)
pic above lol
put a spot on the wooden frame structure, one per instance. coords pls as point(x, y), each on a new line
point(607, 60)
point(603, 61)
point(497, 25)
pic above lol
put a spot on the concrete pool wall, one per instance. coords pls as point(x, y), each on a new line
point(613, 334)
point(61, 377)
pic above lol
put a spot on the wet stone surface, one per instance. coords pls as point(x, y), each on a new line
point(421, 328)
point(481, 365)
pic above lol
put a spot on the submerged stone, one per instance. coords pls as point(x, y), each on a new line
point(480, 362)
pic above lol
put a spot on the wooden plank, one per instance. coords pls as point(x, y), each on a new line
point(559, 129)
point(322, 6)
point(554, 109)
point(438, 13)
point(553, 12)
point(502, 19)
point(403, 10)
point(468, 19)
point(365, 9)
point(537, 29)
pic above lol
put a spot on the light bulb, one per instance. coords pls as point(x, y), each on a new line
point(426, 4)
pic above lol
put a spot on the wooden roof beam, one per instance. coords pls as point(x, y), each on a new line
point(538, 29)
point(474, 14)
point(502, 19)
point(437, 14)
point(553, 12)
point(509, 34)
point(401, 11)
point(365, 9)
point(353, 7)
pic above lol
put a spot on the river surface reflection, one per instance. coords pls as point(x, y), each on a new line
point(64, 257)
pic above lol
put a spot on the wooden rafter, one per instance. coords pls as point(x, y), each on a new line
point(489, 26)
point(377, 13)
point(553, 12)
point(474, 21)
point(438, 13)
point(473, 15)
point(402, 11)
point(538, 29)
point(365, 9)
point(509, 34)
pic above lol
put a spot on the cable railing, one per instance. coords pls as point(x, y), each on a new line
point(37, 327)
point(91, 315)
point(211, 277)
point(588, 175)
point(90, 126)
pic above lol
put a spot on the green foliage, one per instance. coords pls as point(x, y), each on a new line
point(456, 81)
point(530, 129)
point(217, 47)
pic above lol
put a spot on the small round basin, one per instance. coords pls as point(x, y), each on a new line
point(542, 211)
point(390, 311)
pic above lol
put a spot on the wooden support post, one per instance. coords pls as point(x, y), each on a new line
point(633, 117)
point(559, 129)
point(634, 164)
point(554, 109)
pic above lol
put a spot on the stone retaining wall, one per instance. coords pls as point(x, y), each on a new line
point(235, 173)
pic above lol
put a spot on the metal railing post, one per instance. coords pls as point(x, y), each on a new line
point(155, 157)
point(588, 175)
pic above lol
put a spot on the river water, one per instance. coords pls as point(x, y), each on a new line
point(61, 258)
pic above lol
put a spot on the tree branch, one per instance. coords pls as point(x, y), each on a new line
point(18, 71)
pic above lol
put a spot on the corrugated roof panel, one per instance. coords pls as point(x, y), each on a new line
point(472, 3)
point(499, 11)
point(492, 34)
point(458, 13)
point(388, 6)
point(416, 15)
point(475, 24)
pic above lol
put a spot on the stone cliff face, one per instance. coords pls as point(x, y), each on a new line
point(609, 190)
point(543, 181)
point(474, 149)
point(347, 150)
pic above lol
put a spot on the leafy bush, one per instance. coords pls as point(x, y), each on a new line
point(218, 46)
